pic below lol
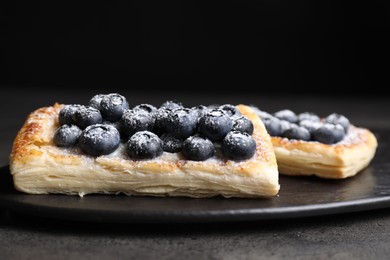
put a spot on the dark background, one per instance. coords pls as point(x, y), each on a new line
point(324, 47)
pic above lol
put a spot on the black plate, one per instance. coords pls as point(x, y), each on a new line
point(298, 197)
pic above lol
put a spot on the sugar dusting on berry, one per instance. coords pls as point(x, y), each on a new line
point(87, 112)
point(216, 113)
point(69, 129)
point(116, 100)
point(135, 116)
point(141, 137)
point(180, 113)
point(97, 133)
point(355, 135)
point(310, 124)
point(198, 143)
point(235, 139)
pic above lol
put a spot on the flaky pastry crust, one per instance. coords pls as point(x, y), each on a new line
point(336, 161)
point(38, 166)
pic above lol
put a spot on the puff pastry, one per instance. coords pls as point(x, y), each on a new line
point(337, 161)
point(40, 167)
point(330, 161)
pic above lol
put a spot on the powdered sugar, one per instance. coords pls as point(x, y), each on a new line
point(99, 132)
point(87, 112)
point(354, 135)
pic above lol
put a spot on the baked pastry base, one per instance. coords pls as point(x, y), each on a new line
point(337, 161)
point(40, 167)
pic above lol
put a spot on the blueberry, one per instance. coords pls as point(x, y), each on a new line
point(99, 139)
point(66, 114)
point(231, 110)
point(238, 146)
point(182, 122)
point(272, 125)
point(112, 106)
point(67, 135)
point(144, 145)
point(198, 148)
point(287, 114)
point(329, 133)
point(215, 124)
point(146, 107)
point(135, 120)
point(171, 144)
point(161, 120)
point(262, 114)
point(308, 116)
point(96, 100)
point(200, 110)
point(171, 104)
point(284, 124)
point(310, 125)
point(297, 133)
point(116, 124)
point(86, 116)
point(335, 119)
point(243, 124)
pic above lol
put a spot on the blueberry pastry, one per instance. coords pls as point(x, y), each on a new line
point(328, 147)
point(109, 145)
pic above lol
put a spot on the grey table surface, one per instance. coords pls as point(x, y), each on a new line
point(362, 235)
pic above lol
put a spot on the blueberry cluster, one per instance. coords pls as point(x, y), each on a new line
point(147, 131)
point(306, 126)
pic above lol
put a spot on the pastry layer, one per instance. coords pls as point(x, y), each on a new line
point(336, 161)
point(40, 167)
